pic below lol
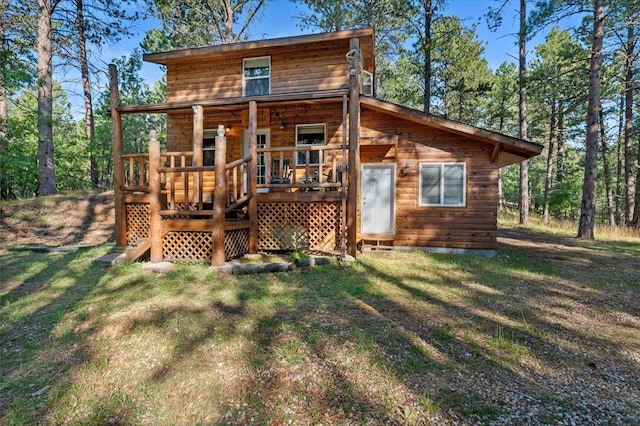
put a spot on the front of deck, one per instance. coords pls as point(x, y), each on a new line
point(178, 208)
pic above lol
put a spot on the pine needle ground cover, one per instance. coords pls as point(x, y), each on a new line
point(547, 331)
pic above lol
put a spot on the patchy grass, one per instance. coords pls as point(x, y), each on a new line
point(547, 331)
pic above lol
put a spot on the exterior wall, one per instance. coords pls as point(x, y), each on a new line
point(180, 125)
point(316, 66)
point(470, 227)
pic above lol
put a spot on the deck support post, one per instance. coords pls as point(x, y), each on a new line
point(252, 175)
point(118, 165)
point(355, 69)
point(155, 228)
point(343, 181)
point(219, 200)
point(198, 133)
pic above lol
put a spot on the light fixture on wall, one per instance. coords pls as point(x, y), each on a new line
point(283, 125)
point(228, 128)
point(405, 169)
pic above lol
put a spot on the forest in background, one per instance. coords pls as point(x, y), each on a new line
point(577, 100)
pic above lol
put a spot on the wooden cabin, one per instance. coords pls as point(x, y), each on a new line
point(281, 145)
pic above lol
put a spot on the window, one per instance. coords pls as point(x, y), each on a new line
point(209, 147)
point(309, 135)
point(367, 83)
point(443, 184)
point(256, 76)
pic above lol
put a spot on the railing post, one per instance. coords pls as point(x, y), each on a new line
point(219, 199)
point(198, 134)
point(252, 177)
point(155, 229)
point(354, 148)
point(118, 164)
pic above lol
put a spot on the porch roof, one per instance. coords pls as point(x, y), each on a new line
point(507, 149)
point(237, 102)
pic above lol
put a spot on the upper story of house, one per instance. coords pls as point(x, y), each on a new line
point(291, 65)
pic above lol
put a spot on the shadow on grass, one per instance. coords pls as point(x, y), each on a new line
point(36, 355)
point(398, 339)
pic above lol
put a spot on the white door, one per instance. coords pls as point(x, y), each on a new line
point(263, 142)
point(378, 199)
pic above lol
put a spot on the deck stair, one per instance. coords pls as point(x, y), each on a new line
point(141, 249)
point(377, 243)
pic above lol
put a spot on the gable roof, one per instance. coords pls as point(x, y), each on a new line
point(507, 149)
point(366, 36)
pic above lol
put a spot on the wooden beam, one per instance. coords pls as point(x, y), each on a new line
point(198, 134)
point(495, 152)
point(252, 175)
point(299, 197)
point(343, 193)
point(354, 148)
point(237, 102)
point(219, 199)
point(155, 228)
point(118, 164)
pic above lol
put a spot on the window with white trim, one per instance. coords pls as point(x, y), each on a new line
point(310, 135)
point(443, 184)
point(256, 76)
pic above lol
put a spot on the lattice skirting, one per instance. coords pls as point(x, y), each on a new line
point(192, 245)
point(138, 221)
point(293, 226)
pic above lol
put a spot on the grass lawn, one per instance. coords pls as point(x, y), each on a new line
point(548, 331)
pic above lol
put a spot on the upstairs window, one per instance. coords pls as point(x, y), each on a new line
point(256, 76)
point(443, 184)
point(309, 135)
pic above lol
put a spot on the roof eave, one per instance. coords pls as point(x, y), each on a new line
point(518, 147)
point(164, 57)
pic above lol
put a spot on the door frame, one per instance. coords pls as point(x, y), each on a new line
point(392, 189)
point(245, 152)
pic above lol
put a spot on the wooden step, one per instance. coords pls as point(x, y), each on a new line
point(372, 244)
point(135, 253)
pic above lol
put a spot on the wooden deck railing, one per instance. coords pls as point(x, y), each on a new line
point(184, 183)
point(327, 174)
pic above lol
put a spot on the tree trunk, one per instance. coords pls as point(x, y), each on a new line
point(560, 143)
point(501, 130)
point(4, 111)
point(228, 23)
point(607, 173)
point(549, 175)
point(86, 88)
point(631, 192)
point(587, 222)
point(46, 170)
point(619, 162)
point(428, 17)
point(524, 165)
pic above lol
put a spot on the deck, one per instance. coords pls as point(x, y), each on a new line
point(171, 204)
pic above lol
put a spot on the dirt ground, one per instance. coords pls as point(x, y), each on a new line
point(63, 219)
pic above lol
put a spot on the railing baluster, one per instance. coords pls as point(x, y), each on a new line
point(173, 183)
point(131, 180)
